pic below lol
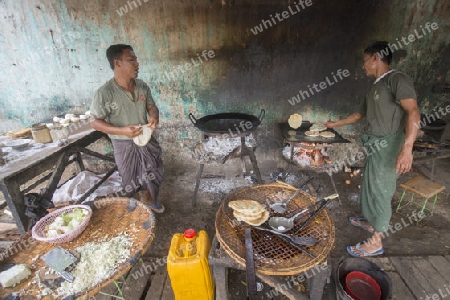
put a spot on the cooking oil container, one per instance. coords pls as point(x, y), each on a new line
point(41, 133)
point(188, 267)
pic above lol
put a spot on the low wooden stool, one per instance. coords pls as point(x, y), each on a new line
point(422, 187)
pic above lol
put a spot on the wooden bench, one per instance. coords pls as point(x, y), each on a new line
point(422, 187)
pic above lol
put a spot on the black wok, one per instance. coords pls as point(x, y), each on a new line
point(227, 122)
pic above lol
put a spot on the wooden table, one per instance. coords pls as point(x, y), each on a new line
point(36, 162)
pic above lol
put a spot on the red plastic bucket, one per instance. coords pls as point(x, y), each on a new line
point(361, 286)
point(358, 264)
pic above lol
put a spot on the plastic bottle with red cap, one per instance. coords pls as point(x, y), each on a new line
point(188, 248)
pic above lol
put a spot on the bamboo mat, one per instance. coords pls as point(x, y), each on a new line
point(111, 217)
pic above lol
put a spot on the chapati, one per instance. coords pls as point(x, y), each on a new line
point(255, 222)
point(327, 134)
point(243, 216)
point(312, 133)
point(295, 121)
point(144, 137)
point(247, 207)
point(318, 127)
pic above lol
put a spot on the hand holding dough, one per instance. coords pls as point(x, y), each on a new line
point(144, 137)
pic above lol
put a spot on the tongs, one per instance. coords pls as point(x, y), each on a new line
point(320, 206)
point(300, 240)
point(281, 207)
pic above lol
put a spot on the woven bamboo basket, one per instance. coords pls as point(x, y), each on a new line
point(111, 217)
point(273, 256)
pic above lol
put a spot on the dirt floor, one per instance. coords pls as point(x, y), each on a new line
point(430, 236)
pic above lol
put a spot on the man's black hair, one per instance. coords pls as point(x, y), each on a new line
point(382, 49)
point(115, 52)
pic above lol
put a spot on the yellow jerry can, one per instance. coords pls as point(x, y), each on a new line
point(188, 267)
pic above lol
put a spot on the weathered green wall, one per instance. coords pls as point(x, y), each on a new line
point(53, 56)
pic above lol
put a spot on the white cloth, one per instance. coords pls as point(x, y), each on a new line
point(73, 189)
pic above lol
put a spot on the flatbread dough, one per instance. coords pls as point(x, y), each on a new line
point(327, 134)
point(247, 207)
point(295, 121)
point(144, 137)
point(312, 133)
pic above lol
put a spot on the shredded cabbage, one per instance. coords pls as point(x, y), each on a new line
point(66, 222)
point(98, 261)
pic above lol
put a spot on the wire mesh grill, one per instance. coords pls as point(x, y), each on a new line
point(273, 255)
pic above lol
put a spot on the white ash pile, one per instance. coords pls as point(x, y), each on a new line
point(219, 150)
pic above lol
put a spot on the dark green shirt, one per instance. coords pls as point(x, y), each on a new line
point(381, 106)
point(116, 106)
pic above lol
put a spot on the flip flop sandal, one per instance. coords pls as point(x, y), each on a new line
point(355, 221)
point(364, 253)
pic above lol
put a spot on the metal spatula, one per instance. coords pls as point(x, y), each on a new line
point(59, 259)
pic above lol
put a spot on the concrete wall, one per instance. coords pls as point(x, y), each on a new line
point(53, 56)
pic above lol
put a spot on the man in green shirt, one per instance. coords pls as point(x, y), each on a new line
point(120, 108)
point(390, 107)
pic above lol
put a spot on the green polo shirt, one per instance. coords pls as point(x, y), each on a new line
point(381, 106)
point(116, 106)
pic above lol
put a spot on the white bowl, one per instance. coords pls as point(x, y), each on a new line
point(19, 143)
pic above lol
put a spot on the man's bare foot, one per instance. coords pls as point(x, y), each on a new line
point(137, 196)
point(371, 247)
point(146, 198)
point(365, 250)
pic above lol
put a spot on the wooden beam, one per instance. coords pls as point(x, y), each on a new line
point(428, 158)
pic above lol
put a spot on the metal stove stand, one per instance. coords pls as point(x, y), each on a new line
point(245, 151)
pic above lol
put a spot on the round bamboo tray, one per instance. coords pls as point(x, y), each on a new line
point(273, 256)
point(111, 217)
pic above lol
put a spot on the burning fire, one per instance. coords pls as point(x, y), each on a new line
point(309, 154)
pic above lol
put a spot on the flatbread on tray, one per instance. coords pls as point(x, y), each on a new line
point(249, 211)
point(254, 222)
point(295, 121)
point(312, 133)
point(247, 207)
point(243, 216)
point(318, 127)
point(327, 134)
